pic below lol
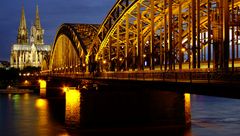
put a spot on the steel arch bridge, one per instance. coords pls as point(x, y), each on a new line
point(159, 35)
point(70, 47)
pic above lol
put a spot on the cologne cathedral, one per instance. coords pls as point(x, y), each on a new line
point(29, 50)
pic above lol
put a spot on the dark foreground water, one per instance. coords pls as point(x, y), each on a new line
point(30, 115)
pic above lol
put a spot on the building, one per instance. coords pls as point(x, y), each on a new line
point(29, 50)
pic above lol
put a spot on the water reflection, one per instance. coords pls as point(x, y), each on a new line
point(187, 99)
point(72, 113)
point(137, 110)
point(41, 104)
point(43, 85)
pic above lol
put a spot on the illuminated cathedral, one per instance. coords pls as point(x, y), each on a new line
point(29, 50)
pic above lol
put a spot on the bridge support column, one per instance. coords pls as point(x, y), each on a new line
point(165, 37)
point(225, 34)
point(198, 35)
point(141, 107)
point(170, 54)
point(118, 49)
point(139, 39)
point(193, 38)
point(127, 43)
point(209, 33)
point(181, 51)
point(233, 35)
point(152, 54)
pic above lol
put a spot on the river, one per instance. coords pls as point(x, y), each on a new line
point(31, 115)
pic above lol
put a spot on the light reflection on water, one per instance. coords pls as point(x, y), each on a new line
point(72, 113)
point(27, 115)
point(30, 115)
point(127, 111)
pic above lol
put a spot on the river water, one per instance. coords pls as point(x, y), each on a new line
point(31, 115)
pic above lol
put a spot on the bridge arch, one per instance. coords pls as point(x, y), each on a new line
point(70, 47)
point(167, 35)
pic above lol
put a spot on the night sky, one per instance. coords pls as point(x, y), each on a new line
point(52, 14)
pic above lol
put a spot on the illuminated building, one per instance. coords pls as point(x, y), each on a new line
point(29, 51)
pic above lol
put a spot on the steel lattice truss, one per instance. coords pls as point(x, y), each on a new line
point(70, 47)
point(155, 35)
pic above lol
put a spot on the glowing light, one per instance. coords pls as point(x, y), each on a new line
point(26, 96)
point(183, 49)
point(43, 86)
point(26, 82)
point(104, 61)
point(144, 55)
point(43, 83)
point(145, 63)
point(187, 108)
point(120, 59)
point(41, 104)
point(65, 89)
point(83, 64)
point(72, 113)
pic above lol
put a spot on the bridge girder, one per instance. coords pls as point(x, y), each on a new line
point(155, 34)
point(135, 34)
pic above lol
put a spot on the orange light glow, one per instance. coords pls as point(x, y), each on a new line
point(65, 89)
point(104, 61)
point(26, 82)
point(41, 104)
point(72, 114)
point(43, 84)
point(183, 49)
point(187, 98)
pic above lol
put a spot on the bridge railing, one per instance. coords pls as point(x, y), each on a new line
point(156, 76)
point(171, 76)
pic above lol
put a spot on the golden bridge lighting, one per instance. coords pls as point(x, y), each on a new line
point(183, 49)
point(43, 88)
point(41, 104)
point(104, 61)
point(43, 83)
point(26, 82)
point(72, 113)
point(65, 89)
point(187, 98)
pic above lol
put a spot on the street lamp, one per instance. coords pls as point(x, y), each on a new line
point(183, 49)
point(104, 61)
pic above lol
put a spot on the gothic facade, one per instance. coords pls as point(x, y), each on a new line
point(29, 50)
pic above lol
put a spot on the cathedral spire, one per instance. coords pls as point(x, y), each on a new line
point(22, 30)
point(23, 24)
point(36, 30)
point(37, 19)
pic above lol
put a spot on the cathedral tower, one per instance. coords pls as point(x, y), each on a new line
point(22, 37)
point(36, 30)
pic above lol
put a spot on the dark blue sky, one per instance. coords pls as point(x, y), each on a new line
point(52, 14)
